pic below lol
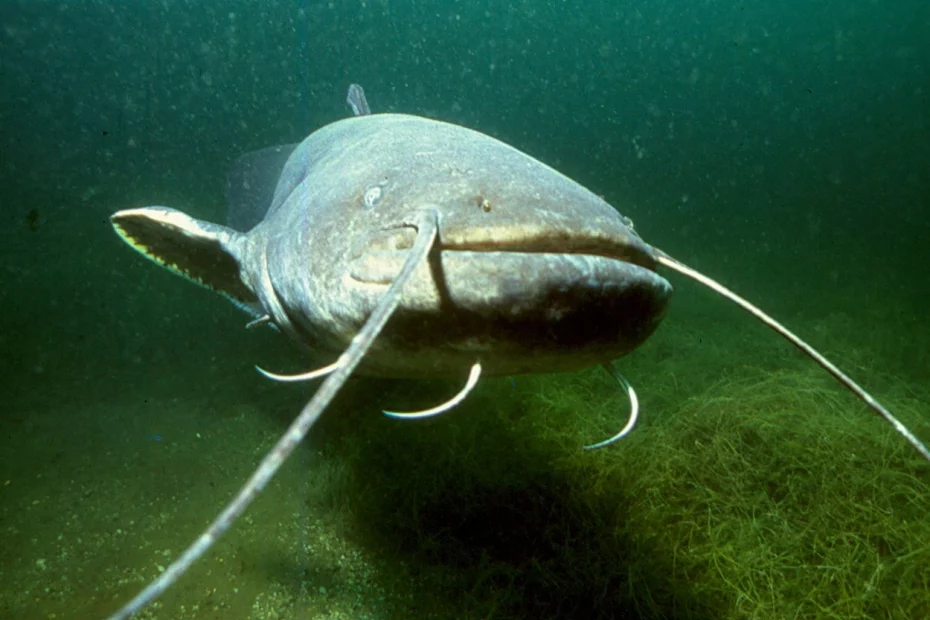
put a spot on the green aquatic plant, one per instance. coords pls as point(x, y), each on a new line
point(765, 494)
point(781, 499)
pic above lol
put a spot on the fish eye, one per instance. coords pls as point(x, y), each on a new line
point(372, 196)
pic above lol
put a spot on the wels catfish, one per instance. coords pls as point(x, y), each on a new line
point(398, 246)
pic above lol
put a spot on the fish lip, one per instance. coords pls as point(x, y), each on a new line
point(636, 254)
point(615, 242)
point(380, 267)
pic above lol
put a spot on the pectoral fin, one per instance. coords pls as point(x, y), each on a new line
point(199, 251)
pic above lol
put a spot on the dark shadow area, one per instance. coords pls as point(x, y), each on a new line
point(507, 530)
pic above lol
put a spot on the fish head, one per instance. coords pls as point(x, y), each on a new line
point(531, 272)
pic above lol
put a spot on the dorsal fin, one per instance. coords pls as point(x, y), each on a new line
point(250, 185)
point(199, 251)
point(357, 101)
point(253, 177)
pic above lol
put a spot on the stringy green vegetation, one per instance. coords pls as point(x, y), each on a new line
point(755, 491)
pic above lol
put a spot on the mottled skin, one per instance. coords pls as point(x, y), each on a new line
point(533, 272)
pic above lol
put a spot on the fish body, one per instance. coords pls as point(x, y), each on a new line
point(531, 273)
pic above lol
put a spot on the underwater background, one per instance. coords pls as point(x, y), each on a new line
point(783, 148)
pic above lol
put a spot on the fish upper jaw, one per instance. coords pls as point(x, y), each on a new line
point(378, 256)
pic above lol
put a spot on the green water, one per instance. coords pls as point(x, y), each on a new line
point(782, 148)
